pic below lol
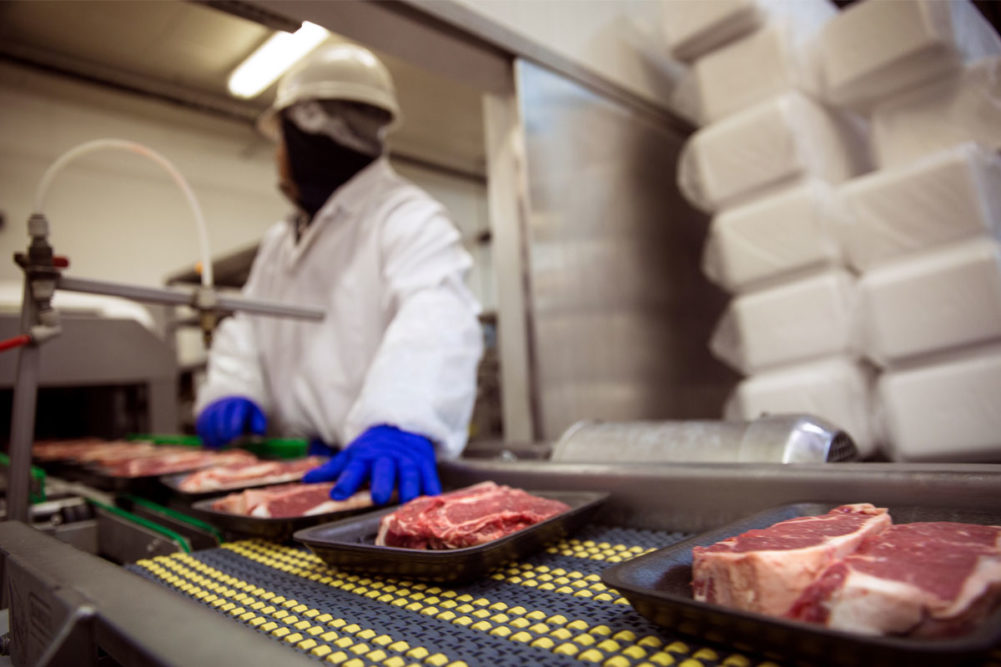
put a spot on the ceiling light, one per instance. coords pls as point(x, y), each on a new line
point(271, 59)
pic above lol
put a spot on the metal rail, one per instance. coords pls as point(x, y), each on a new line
point(182, 297)
point(696, 497)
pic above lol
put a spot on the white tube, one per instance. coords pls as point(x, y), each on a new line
point(98, 144)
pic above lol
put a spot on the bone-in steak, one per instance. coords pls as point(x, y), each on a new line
point(765, 570)
point(920, 579)
point(464, 518)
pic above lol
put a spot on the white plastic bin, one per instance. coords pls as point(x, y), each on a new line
point(946, 411)
point(790, 232)
point(771, 145)
point(942, 299)
point(804, 319)
point(945, 197)
point(956, 109)
point(877, 48)
point(839, 390)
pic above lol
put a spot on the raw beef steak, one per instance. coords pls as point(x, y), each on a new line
point(175, 460)
point(289, 500)
point(930, 579)
point(464, 518)
point(246, 474)
point(765, 570)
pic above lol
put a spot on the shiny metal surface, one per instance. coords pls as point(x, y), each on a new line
point(619, 312)
point(65, 604)
point(180, 297)
point(695, 497)
point(124, 541)
point(774, 439)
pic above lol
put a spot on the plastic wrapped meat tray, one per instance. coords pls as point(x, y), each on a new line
point(271, 528)
point(173, 482)
point(658, 585)
point(350, 544)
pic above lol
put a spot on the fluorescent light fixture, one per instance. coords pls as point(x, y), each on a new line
point(271, 59)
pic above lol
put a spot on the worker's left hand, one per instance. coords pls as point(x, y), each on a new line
point(387, 457)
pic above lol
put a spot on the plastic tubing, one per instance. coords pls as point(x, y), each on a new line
point(16, 341)
point(99, 144)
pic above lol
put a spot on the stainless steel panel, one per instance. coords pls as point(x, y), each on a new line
point(771, 439)
point(619, 311)
point(124, 541)
point(695, 497)
point(57, 592)
point(98, 351)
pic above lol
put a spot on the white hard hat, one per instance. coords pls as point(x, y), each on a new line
point(337, 72)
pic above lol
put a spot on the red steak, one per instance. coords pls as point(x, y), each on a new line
point(176, 460)
point(766, 570)
point(920, 579)
point(464, 518)
point(289, 500)
point(242, 474)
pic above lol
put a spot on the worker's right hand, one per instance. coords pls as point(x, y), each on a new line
point(228, 418)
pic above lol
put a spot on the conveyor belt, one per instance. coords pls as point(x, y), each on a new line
point(549, 609)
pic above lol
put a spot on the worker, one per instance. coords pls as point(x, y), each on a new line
point(389, 375)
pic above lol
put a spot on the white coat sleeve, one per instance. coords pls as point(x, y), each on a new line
point(423, 377)
point(234, 367)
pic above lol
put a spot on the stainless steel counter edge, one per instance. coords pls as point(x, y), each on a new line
point(134, 620)
point(698, 497)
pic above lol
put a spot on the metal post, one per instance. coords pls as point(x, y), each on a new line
point(23, 417)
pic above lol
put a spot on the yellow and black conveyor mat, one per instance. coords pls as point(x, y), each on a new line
point(550, 609)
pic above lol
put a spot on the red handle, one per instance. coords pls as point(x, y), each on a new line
point(16, 341)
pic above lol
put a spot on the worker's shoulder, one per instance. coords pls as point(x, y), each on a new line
point(402, 200)
point(274, 235)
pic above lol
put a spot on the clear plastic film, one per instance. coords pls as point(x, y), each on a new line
point(944, 197)
point(873, 49)
point(837, 389)
point(933, 302)
point(775, 58)
point(693, 28)
point(774, 237)
point(771, 145)
point(810, 317)
point(963, 107)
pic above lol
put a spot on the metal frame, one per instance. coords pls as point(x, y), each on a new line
point(40, 323)
point(65, 604)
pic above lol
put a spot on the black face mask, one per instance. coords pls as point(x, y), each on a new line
point(319, 165)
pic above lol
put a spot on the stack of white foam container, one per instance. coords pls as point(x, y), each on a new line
point(766, 164)
point(922, 231)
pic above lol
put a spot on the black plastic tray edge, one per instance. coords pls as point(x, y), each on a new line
point(268, 528)
point(973, 645)
point(459, 565)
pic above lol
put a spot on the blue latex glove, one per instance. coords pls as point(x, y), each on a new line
point(229, 418)
point(387, 457)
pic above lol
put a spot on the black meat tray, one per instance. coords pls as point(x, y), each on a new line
point(350, 544)
point(658, 585)
point(278, 529)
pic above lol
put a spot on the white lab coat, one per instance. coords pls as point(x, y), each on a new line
point(400, 341)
